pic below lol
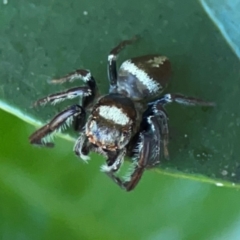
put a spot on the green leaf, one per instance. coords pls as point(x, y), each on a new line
point(41, 40)
point(50, 194)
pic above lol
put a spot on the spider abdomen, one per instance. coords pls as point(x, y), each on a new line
point(143, 77)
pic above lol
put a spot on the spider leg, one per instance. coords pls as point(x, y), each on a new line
point(83, 74)
point(147, 153)
point(42, 136)
point(138, 165)
point(160, 121)
point(112, 65)
point(157, 118)
point(178, 98)
point(61, 96)
point(157, 110)
point(114, 161)
point(82, 147)
point(87, 78)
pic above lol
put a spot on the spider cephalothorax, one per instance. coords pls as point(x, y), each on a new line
point(129, 121)
point(112, 122)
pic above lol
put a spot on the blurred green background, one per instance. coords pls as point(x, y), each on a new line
point(51, 194)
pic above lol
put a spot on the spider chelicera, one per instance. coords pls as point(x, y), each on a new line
point(128, 121)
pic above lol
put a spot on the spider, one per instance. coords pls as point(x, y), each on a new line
point(129, 121)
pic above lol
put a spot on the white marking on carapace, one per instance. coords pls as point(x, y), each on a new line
point(143, 77)
point(114, 114)
point(157, 61)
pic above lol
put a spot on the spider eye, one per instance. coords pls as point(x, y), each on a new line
point(125, 133)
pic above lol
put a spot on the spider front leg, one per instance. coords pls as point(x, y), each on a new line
point(114, 161)
point(112, 65)
point(87, 92)
point(140, 163)
point(61, 96)
point(82, 147)
point(147, 154)
point(62, 120)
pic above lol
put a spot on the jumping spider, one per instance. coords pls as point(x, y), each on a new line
point(128, 121)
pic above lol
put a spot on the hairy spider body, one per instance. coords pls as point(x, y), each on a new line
point(143, 77)
point(129, 121)
point(112, 122)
